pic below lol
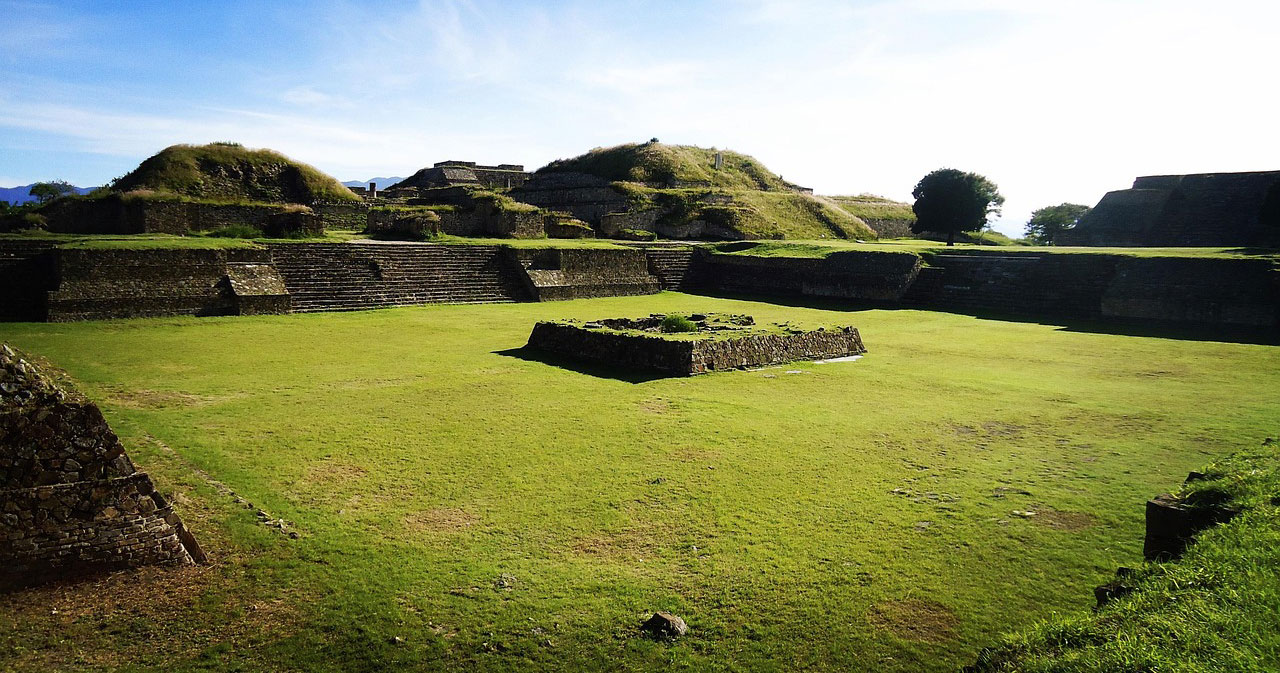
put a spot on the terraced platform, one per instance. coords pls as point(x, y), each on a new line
point(356, 276)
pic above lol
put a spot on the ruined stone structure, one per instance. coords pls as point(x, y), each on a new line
point(465, 173)
point(1208, 209)
point(637, 344)
point(115, 215)
point(46, 282)
point(356, 276)
point(1242, 292)
point(572, 274)
point(96, 284)
point(71, 502)
point(586, 197)
point(866, 276)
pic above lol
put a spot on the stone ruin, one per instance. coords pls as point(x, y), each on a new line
point(1206, 209)
point(717, 342)
point(71, 502)
point(465, 173)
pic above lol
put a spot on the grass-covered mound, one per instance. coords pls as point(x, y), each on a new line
point(871, 207)
point(670, 165)
point(1215, 610)
point(230, 172)
point(686, 196)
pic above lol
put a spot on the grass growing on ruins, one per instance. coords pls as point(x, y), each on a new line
point(825, 247)
point(868, 206)
point(231, 172)
point(1217, 609)
point(497, 511)
point(669, 165)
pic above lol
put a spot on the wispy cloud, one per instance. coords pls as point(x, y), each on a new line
point(1055, 101)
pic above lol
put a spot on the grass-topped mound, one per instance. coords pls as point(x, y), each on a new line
point(683, 192)
point(670, 166)
point(872, 207)
point(230, 172)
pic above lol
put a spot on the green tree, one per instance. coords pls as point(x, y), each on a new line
point(1047, 223)
point(948, 201)
point(48, 191)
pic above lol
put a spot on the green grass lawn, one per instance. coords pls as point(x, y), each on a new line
point(502, 513)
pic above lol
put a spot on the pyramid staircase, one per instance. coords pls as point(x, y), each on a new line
point(673, 264)
point(359, 276)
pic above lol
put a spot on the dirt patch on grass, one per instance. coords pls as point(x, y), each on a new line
point(159, 399)
point(334, 471)
point(689, 454)
point(1001, 429)
point(1061, 520)
point(630, 543)
point(115, 620)
point(440, 520)
point(914, 619)
point(655, 406)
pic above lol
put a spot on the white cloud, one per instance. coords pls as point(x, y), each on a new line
point(1054, 101)
point(305, 96)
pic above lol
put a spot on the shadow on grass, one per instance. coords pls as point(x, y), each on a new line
point(1242, 334)
point(1261, 252)
point(589, 368)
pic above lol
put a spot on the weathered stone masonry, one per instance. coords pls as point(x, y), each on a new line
point(71, 502)
point(686, 357)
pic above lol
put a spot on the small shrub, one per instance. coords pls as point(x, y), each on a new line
point(236, 231)
point(677, 323)
point(34, 221)
point(636, 235)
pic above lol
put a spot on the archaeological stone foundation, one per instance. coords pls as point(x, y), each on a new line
point(71, 502)
point(719, 343)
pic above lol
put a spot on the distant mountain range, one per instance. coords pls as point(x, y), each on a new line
point(382, 183)
point(21, 195)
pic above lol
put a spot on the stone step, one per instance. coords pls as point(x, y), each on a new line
point(357, 276)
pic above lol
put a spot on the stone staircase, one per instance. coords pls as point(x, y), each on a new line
point(675, 265)
point(25, 276)
point(358, 276)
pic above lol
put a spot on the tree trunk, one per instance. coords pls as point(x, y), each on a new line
point(951, 237)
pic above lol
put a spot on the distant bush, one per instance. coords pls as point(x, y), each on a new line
point(236, 231)
point(677, 323)
point(34, 221)
point(636, 235)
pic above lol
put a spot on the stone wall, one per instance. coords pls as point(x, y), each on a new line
point(867, 276)
point(113, 215)
point(1208, 209)
point(889, 227)
point(1241, 292)
point(485, 220)
point(344, 216)
point(71, 502)
point(572, 274)
point(99, 284)
point(686, 357)
point(584, 196)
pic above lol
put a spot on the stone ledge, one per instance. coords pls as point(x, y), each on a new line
point(620, 346)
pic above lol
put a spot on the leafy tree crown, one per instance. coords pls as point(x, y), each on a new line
point(949, 201)
point(1048, 223)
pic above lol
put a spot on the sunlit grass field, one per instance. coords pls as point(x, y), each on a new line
point(461, 505)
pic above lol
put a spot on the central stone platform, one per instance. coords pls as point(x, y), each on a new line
point(696, 344)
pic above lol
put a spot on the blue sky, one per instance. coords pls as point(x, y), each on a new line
point(1054, 101)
